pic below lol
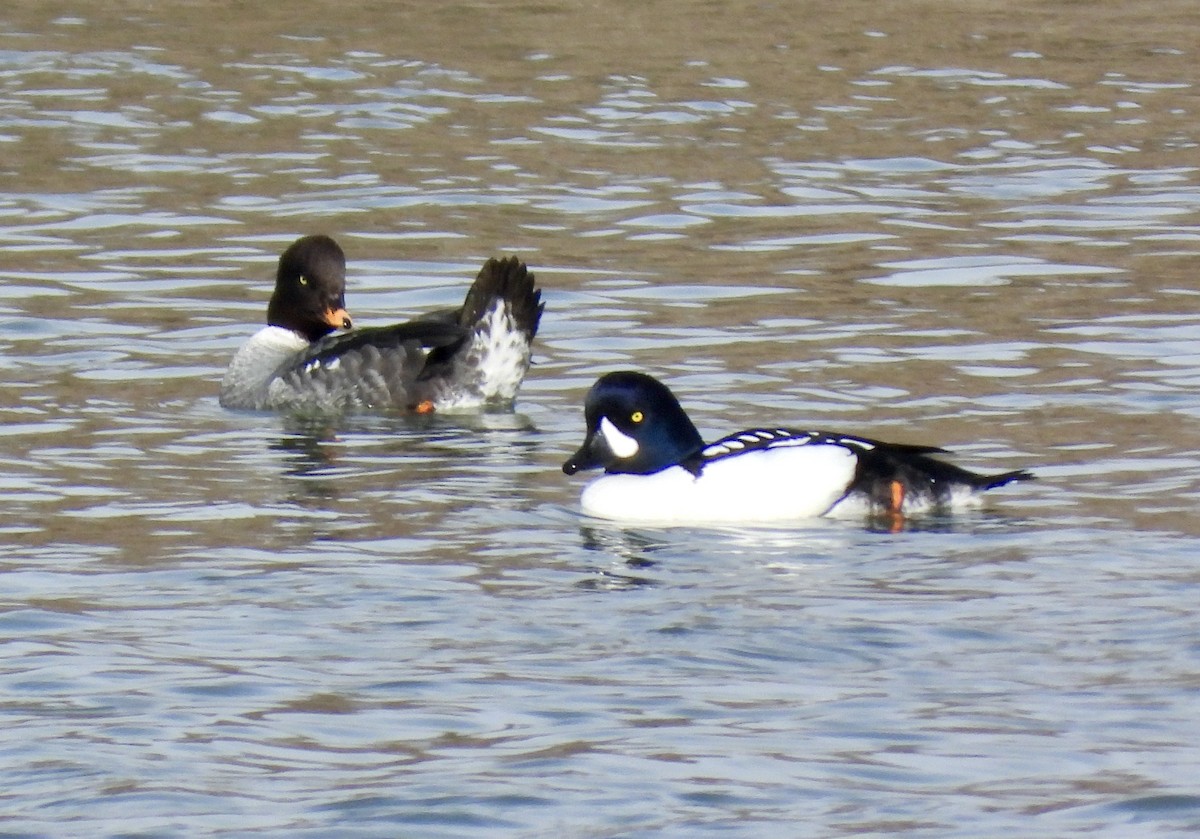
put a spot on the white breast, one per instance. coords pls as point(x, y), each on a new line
point(769, 485)
point(247, 381)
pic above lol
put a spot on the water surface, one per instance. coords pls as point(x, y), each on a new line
point(969, 226)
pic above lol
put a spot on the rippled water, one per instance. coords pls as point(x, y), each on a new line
point(926, 222)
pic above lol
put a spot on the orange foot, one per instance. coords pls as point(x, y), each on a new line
point(425, 407)
point(894, 510)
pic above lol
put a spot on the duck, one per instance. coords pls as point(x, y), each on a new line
point(310, 357)
point(658, 469)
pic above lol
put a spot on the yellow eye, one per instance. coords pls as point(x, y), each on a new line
point(637, 416)
point(303, 280)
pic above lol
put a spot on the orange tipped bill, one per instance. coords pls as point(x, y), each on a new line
point(337, 318)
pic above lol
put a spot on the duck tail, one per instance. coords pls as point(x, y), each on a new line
point(506, 282)
point(499, 317)
point(986, 482)
point(921, 479)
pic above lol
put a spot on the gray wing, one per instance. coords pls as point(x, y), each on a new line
point(366, 368)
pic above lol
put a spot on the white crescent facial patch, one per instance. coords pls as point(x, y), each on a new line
point(622, 445)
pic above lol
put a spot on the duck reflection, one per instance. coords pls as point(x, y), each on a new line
point(332, 458)
point(307, 446)
point(629, 548)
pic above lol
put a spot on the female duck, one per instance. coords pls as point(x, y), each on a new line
point(659, 468)
point(466, 358)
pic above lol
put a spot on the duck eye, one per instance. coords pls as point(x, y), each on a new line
point(303, 280)
point(637, 416)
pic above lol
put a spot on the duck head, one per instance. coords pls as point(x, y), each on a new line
point(635, 426)
point(310, 288)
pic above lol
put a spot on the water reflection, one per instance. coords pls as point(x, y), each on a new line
point(626, 552)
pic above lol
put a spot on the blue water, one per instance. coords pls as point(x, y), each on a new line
point(935, 230)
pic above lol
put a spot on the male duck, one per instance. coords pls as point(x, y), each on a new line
point(464, 358)
point(660, 470)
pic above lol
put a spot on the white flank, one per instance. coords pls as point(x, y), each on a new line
point(502, 352)
point(622, 445)
point(493, 366)
point(759, 486)
point(961, 498)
